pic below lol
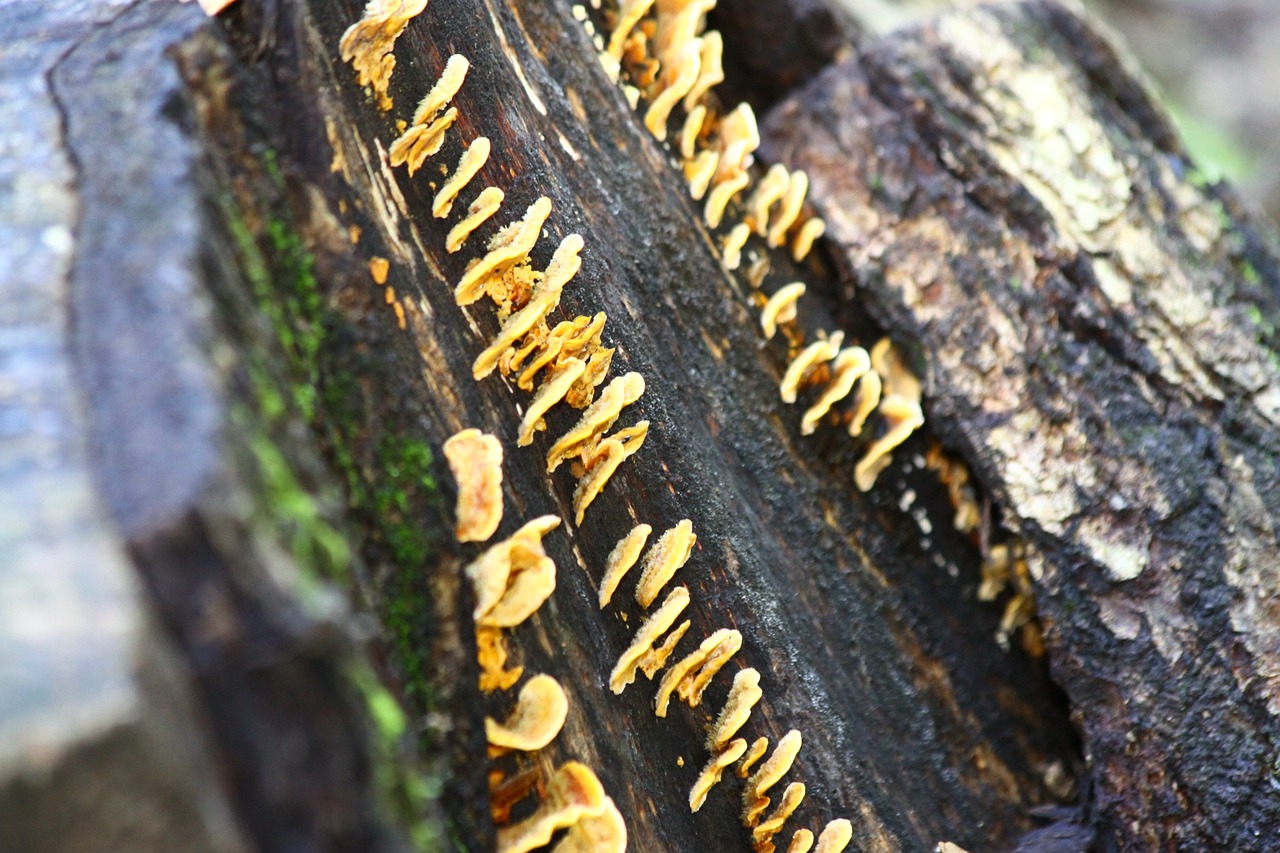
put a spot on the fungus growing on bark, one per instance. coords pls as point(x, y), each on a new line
point(692, 673)
point(664, 559)
point(720, 196)
point(491, 653)
point(731, 254)
point(713, 771)
point(762, 835)
point(603, 462)
point(849, 366)
point(621, 559)
point(739, 138)
point(471, 162)
point(864, 402)
point(811, 230)
point(378, 270)
point(485, 205)
point(781, 307)
point(710, 69)
point(835, 836)
point(691, 130)
point(629, 14)
point(676, 81)
point(602, 833)
point(573, 793)
point(769, 190)
point(903, 417)
point(513, 577)
point(425, 134)
point(898, 380)
point(545, 297)
point(699, 171)
point(539, 715)
point(508, 247)
point(654, 661)
point(803, 364)
point(621, 392)
point(789, 211)
point(624, 672)
point(754, 801)
point(801, 842)
point(551, 392)
point(743, 696)
point(476, 462)
point(367, 44)
point(754, 754)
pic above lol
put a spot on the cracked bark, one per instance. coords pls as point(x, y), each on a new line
point(870, 641)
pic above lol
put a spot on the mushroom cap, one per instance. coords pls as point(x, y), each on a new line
point(604, 833)
point(540, 712)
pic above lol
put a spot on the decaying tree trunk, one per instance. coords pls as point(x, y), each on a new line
point(238, 322)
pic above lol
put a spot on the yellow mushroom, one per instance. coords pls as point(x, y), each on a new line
point(503, 597)
point(781, 307)
point(813, 228)
point(743, 696)
point(485, 205)
point(898, 380)
point(865, 402)
point(476, 462)
point(621, 559)
point(508, 247)
point(754, 754)
point(699, 171)
point(546, 296)
point(769, 191)
point(602, 833)
point(720, 196)
point(471, 162)
point(629, 14)
point(573, 793)
point(731, 249)
point(604, 461)
point(801, 842)
point(739, 138)
point(540, 712)
point(691, 130)
point(655, 659)
point(368, 43)
point(708, 658)
point(491, 654)
point(710, 68)
point(664, 559)
point(789, 211)
point(902, 417)
point(624, 672)
point(764, 832)
point(551, 392)
point(849, 366)
point(597, 419)
point(677, 79)
point(803, 364)
point(713, 771)
point(773, 769)
point(835, 837)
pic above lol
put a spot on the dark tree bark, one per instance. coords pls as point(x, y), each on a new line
point(213, 304)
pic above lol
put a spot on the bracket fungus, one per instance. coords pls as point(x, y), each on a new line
point(689, 677)
point(574, 793)
point(368, 43)
point(551, 392)
point(491, 654)
point(739, 139)
point(713, 771)
point(540, 712)
point(754, 801)
point(621, 559)
point(665, 558)
point(789, 210)
point(764, 831)
point(677, 80)
point(621, 392)
point(781, 307)
point(691, 130)
point(476, 462)
point(850, 365)
point(425, 134)
point(801, 842)
point(720, 196)
point(744, 693)
point(471, 162)
point(602, 833)
point(835, 836)
point(603, 462)
point(485, 205)
point(731, 248)
point(902, 417)
point(513, 577)
point(769, 191)
point(624, 671)
point(813, 228)
point(803, 364)
point(754, 754)
point(699, 171)
point(508, 247)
